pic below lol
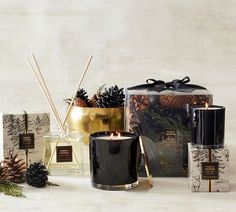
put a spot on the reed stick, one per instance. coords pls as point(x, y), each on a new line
point(44, 92)
point(77, 88)
point(149, 176)
point(43, 86)
point(48, 94)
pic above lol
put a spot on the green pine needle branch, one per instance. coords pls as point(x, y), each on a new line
point(11, 189)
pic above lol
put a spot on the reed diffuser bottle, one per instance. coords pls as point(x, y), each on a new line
point(63, 154)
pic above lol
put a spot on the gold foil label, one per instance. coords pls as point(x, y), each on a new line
point(64, 153)
point(210, 170)
point(26, 141)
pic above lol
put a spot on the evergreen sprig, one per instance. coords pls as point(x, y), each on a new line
point(11, 189)
point(168, 123)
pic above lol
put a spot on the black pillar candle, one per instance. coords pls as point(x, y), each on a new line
point(208, 126)
point(113, 160)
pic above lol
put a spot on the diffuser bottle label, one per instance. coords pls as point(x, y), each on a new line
point(64, 153)
point(210, 170)
point(26, 141)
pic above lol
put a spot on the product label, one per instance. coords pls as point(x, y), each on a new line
point(26, 141)
point(169, 137)
point(64, 153)
point(210, 170)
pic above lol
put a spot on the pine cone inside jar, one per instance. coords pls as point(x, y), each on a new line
point(140, 102)
point(178, 101)
point(37, 175)
point(3, 172)
point(175, 101)
point(16, 168)
point(201, 100)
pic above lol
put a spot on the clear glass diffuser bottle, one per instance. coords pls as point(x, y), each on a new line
point(63, 154)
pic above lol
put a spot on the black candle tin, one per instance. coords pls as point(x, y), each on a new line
point(113, 162)
point(208, 126)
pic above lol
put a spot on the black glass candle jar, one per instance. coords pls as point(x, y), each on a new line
point(208, 126)
point(113, 160)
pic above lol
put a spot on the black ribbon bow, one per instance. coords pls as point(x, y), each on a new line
point(174, 85)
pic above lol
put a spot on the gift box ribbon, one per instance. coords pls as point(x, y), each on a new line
point(175, 85)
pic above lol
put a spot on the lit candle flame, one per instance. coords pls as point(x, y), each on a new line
point(111, 136)
point(206, 105)
point(116, 133)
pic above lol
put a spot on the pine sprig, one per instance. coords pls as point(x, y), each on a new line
point(11, 189)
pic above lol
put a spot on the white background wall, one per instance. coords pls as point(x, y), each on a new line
point(131, 40)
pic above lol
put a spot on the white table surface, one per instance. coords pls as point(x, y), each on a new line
point(77, 194)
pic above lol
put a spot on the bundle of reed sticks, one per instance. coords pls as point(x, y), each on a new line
point(43, 86)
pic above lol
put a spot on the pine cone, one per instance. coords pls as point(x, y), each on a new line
point(82, 94)
point(178, 101)
point(81, 98)
point(93, 101)
point(201, 100)
point(140, 102)
point(15, 168)
point(111, 98)
point(3, 172)
point(37, 175)
point(80, 102)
